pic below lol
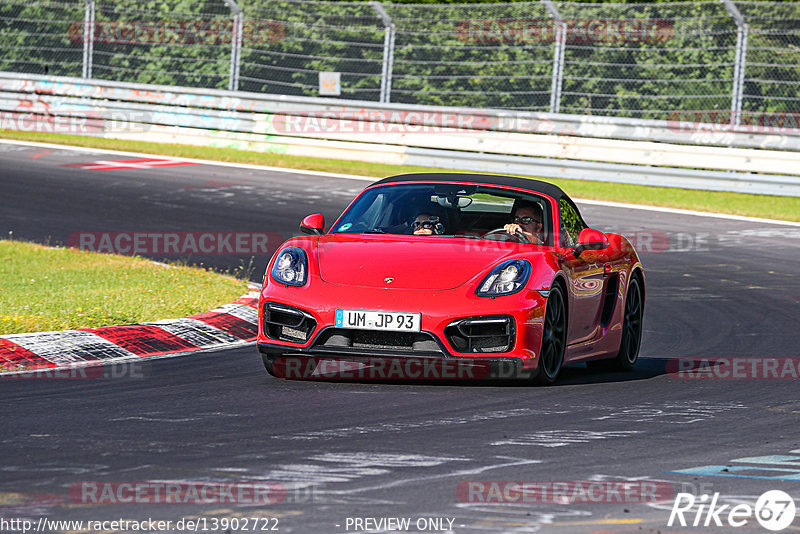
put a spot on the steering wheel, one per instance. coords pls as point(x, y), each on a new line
point(500, 234)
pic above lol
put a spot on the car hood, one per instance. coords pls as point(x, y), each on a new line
point(411, 262)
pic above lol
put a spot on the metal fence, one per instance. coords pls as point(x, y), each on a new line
point(708, 61)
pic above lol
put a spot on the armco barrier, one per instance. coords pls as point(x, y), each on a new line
point(537, 144)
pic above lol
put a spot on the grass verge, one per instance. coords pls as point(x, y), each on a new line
point(47, 289)
point(771, 207)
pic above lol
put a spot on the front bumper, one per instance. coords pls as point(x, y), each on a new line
point(321, 365)
point(440, 311)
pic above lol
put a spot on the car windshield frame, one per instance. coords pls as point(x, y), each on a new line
point(390, 209)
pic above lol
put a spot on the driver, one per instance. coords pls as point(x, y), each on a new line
point(527, 221)
point(426, 224)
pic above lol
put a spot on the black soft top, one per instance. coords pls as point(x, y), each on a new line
point(536, 186)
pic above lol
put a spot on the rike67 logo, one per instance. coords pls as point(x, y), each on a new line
point(774, 510)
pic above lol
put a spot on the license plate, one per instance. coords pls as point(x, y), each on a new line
point(378, 320)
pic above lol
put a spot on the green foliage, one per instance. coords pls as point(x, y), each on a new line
point(47, 288)
point(41, 38)
point(640, 59)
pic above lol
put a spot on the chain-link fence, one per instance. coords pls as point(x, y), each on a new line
point(722, 58)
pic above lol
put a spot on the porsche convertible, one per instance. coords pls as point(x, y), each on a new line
point(440, 275)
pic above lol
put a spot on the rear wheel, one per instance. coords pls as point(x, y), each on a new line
point(554, 337)
point(628, 353)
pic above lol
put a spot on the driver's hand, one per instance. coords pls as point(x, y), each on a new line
point(513, 228)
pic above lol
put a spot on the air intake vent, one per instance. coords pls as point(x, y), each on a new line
point(609, 300)
point(482, 334)
point(285, 323)
point(342, 338)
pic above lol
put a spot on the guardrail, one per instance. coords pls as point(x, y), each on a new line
point(647, 152)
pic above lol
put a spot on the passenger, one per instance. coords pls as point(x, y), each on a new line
point(426, 224)
point(527, 221)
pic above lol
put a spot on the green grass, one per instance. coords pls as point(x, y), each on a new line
point(771, 207)
point(43, 289)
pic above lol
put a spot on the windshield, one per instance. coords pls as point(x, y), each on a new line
point(452, 210)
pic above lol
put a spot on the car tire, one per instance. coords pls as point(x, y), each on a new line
point(554, 338)
point(631, 341)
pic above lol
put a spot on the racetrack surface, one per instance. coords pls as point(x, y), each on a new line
point(715, 288)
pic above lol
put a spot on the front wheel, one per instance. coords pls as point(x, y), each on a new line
point(554, 338)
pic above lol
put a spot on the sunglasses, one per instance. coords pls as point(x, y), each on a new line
point(425, 224)
point(526, 220)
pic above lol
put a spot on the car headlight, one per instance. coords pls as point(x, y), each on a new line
point(505, 279)
point(290, 267)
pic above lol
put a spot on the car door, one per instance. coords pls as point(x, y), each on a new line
point(587, 277)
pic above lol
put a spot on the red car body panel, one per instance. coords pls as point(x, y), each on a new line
point(443, 263)
point(438, 278)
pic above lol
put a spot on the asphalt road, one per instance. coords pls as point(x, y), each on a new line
point(716, 288)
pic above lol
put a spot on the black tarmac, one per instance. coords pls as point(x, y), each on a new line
point(349, 451)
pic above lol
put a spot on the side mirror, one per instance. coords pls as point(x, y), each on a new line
point(313, 224)
point(590, 239)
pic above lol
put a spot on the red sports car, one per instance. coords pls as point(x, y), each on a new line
point(451, 276)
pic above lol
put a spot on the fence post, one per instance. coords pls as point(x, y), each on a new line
point(88, 38)
point(388, 52)
point(739, 63)
point(558, 56)
point(236, 44)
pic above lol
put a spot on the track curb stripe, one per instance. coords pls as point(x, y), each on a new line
point(19, 356)
point(228, 325)
point(143, 340)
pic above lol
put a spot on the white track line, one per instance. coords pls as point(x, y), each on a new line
point(684, 212)
point(374, 178)
point(191, 160)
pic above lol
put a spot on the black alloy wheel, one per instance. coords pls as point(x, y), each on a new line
point(631, 341)
point(554, 338)
point(631, 327)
